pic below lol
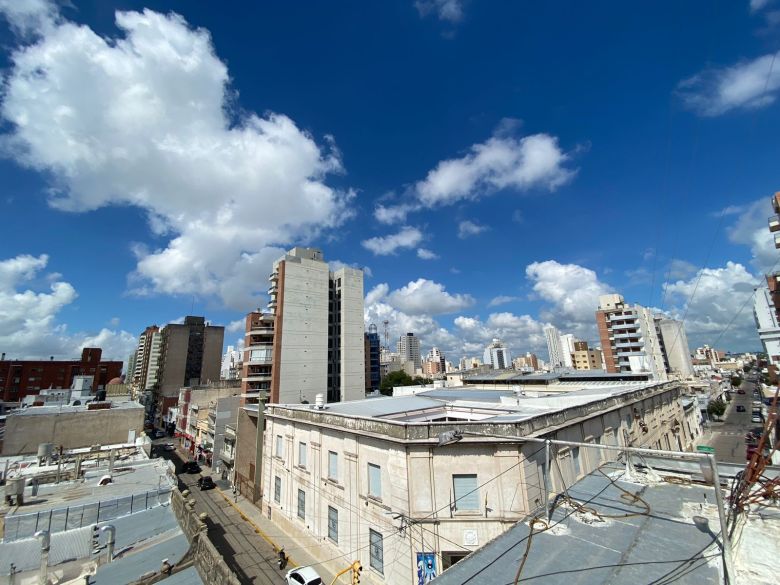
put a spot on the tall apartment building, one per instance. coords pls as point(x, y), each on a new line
point(584, 358)
point(497, 355)
point(409, 350)
point(19, 378)
point(190, 354)
point(554, 348)
point(372, 359)
point(312, 339)
point(147, 359)
point(231, 364)
point(629, 338)
point(567, 349)
point(767, 324)
point(528, 363)
point(675, 347)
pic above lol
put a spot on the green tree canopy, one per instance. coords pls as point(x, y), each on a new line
point(716, 408)
point(400, 378)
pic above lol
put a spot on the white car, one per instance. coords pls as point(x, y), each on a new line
point(303, 576)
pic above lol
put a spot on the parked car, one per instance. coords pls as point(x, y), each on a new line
point(740, 408)
point(756, 418)
point(191, 467)
point(740, 391)
point(303, 576)
point(170, 447)
point(206, 483)
point(159, 434)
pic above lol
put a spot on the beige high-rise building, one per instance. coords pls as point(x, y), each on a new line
point(584, 358)
point(190, 353)
point(146, 360)
point(317, 336)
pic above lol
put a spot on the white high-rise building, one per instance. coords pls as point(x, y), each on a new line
point(497, 355)
point(767, 324)
point(317, 337)
point(231, 364)
point(567, 349)
point(675, 346)
point(146, 364)
point(409, 350)
point(554, 348)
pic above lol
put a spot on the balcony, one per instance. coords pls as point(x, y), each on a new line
point(624, 344)
point(273, 276)
point(777, 240)
point(230, 432)
point(264, 330)
point(774, 223)
point(621, 316)
point(272, 289)
point(257, 378)
point(776, 202)
point(626, 336)
point(259, 361)
point(623, 326)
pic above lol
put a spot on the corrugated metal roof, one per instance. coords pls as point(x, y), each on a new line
point(663, 545)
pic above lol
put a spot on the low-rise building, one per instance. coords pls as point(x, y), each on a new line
point(371, 478)
point(71, 427)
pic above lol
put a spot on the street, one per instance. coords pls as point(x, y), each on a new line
point(248, 555)
point(728, 436)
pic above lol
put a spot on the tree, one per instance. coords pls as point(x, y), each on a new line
point(400, 378)
point(716, 408)
point(746, 369)
point(736, 381)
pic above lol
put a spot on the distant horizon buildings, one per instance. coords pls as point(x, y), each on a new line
point(554, 347)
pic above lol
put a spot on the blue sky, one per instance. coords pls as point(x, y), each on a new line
point(494, 165)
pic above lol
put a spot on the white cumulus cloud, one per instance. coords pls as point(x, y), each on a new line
point(408, 237)
point(426, 297)
point(157, 129)
point(28, 315)
point(469, 228)
point(747, 84)
point(501, 162)
point(447, 10)
point(425, 254)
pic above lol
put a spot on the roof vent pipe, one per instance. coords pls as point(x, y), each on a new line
point(319, 401)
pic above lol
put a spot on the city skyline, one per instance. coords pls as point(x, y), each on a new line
point(644, 172)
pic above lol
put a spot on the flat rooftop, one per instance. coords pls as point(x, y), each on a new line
point(66, 409)
point(465, 403)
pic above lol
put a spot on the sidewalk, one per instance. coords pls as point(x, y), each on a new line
point(298, 553)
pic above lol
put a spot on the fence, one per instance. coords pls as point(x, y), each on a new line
point(61, 519)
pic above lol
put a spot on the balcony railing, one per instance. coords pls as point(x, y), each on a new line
point(774, 223)
point(257, 378)
point(777, 240)
point(620, 326)
point(776, 202)
point(623, 315)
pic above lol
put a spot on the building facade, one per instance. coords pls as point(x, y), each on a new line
point(554, 349)
point(382, 488)
point(767, 324)
point(584, 358)
point(317, 335)
point(497, 355)
point(629, 339)
point(675, 347)
point(567, 349)
point(146, 363)
point(372, 359)
point(19, 378)
point(409, 350)
point(190, 354)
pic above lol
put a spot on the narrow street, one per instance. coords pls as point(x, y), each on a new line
point(245, 551)
point(728, 436)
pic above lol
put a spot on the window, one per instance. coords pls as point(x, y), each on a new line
point(302, 455)
point(374, 481)
point(333, 524)
point(277, 489)
point(279, 446)
point(333, 466)
point(302, 504)
point(466, 492)
point(375, 547)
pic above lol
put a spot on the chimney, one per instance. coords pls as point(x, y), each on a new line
point(3, 356)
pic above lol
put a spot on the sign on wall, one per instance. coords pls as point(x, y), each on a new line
point(426, 567)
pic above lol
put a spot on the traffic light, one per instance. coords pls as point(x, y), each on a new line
point(356, 568)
